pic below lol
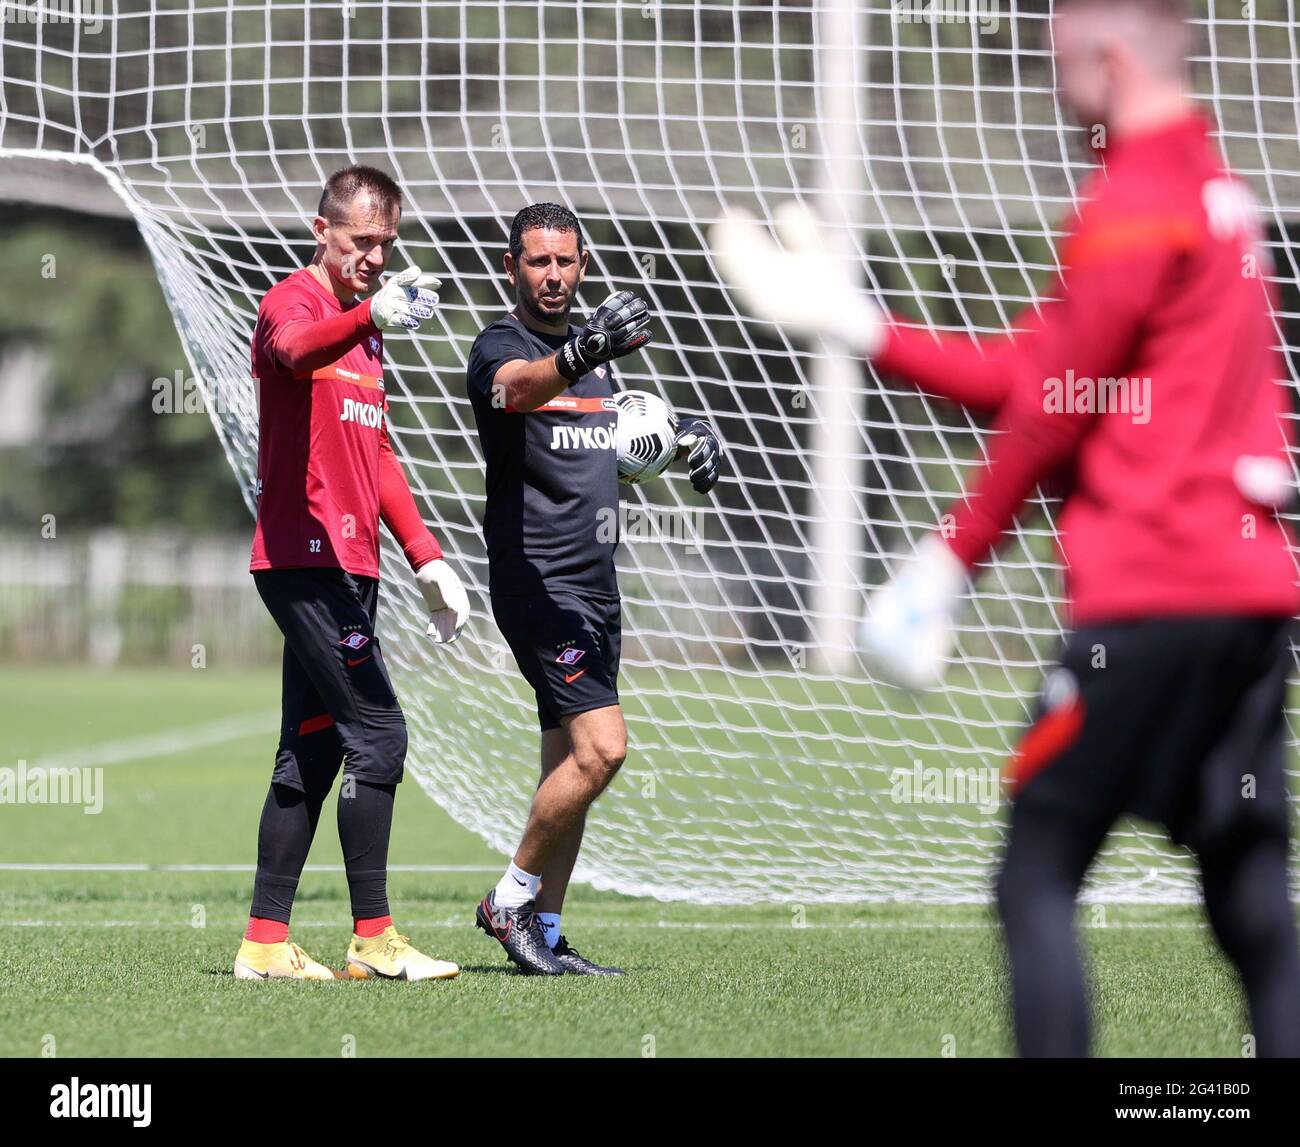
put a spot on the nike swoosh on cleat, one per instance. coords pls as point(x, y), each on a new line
point(490, 926)
point(401, 975)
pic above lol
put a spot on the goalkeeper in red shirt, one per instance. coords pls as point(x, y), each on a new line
point(1146, 391)
point(326, 476)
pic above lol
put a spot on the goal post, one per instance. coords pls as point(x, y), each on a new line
point(835, 463)
point(765, 763)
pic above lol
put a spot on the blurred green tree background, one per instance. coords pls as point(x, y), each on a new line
point(86, 328)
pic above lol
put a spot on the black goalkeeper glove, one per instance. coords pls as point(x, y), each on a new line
point(699, 442)
point(620, 325)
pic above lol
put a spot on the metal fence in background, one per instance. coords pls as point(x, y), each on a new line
point(111, 596)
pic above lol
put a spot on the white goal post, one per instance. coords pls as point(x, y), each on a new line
point(765, 762)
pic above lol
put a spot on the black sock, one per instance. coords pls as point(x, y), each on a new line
point(365, 825)
point(1046, 858)
point(284, 838)
point(1246, 899)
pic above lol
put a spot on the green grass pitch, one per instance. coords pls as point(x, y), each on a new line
point(137, 961)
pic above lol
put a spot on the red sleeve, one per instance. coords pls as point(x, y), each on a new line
point(973, 372)
point(302, 344)
point(1087, 332)
point(1028, 446)
point(398, 510)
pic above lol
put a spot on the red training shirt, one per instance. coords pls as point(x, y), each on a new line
point(1162, 317)
point(326, 471)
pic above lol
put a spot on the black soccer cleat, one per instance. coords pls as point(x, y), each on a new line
point(578, 965)
point(520, 933)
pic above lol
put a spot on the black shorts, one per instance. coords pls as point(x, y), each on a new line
point(1181, 721)
point(337, 699)
point(567, 647)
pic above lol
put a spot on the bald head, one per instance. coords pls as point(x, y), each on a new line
point(1116, 57)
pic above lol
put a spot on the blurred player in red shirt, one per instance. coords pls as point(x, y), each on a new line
point(326, 476)
point(1146, 390)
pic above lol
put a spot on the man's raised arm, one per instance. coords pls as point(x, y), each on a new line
point(303, 344)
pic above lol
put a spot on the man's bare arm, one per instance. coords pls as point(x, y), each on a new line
point(620, 325)
point(523, 385)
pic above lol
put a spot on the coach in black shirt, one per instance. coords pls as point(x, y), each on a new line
point(541, 390)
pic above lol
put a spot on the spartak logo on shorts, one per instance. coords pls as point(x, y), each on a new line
point(570, 656)
point(355, 641)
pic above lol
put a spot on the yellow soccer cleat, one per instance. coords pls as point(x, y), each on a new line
point(282, 961)
point(389, 956)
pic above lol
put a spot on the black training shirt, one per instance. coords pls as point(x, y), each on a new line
point(551, 521)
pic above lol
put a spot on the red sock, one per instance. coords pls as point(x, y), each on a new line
point(262, 931)
point(367, 929)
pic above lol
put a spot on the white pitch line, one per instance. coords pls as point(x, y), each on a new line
point(703, 926)
point(900, 925)
point(165, 744)
point(231, 868)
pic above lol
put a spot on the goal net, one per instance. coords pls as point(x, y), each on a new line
point(765, 761)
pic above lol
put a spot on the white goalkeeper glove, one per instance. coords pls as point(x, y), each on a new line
point(908, 631)
point(802, 283)
point(405, 300)
point(445, 595)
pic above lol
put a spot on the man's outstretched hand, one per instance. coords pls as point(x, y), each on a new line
point(405, 300)
point(800, 283)
point(620, 325)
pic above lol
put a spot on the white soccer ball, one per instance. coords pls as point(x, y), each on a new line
point(646, 430)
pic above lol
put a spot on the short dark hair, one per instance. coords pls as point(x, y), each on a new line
point(345, 185)
point(547, 216)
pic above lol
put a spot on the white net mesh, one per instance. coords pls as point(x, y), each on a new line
point(764, 762)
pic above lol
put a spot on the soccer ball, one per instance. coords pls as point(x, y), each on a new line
point(646, 433)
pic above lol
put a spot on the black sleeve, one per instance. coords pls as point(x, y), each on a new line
point(492, 348)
